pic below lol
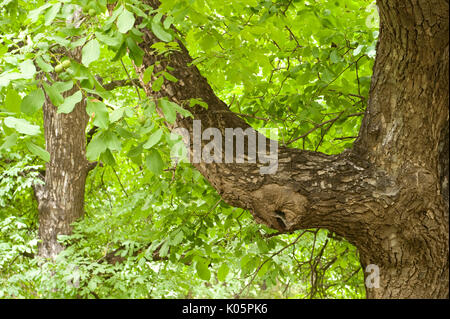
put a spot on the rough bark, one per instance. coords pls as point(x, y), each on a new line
point(389, 195)
point(61, 198)
point(405, 133)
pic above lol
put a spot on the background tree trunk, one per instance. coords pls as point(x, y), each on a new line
point(61, 198)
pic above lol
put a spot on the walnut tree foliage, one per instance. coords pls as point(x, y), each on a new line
point(153, 228)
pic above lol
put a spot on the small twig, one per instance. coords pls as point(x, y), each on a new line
point(130, 79)
point(119, 83)
point(339, 75)
point(326, 131)
point(293, 36)
point(276, 234)
point(265, 261)
point(357, 77)
point(322, 124)
point(211, 209)
point(287, 7)
point(345, 138)
point(121, 185)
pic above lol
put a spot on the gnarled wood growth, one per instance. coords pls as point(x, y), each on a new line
point(389, 195)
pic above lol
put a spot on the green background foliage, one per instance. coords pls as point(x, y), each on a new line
point(155, 229)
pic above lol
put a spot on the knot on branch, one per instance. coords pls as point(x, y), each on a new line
point(278, 207)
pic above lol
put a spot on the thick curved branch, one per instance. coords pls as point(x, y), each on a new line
point(309, 189)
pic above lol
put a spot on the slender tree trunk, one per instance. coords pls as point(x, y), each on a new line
point(389, 195)
point(61, 198)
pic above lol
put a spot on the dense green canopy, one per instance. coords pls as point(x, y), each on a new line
point(155, 229)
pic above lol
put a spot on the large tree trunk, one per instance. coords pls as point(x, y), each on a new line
point(405, 133)
point(389, 195)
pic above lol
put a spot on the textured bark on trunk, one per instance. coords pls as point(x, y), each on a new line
point(405, 133)
point(389, 195)
point(61, 198)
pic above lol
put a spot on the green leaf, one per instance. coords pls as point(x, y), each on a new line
point(182, 111)
point(62, 87)
point(358, 50)
point(327, 76)
point(178, 238)
point(157, 17)
point(38, 151)
point(264, 269)
point(51, 14)
point(92, 285)
point(120, 52)
point(7, 77)
point(208, 42)
point(96, 146)
point(90, 52)
point(43, 65)
point(116, 115)
point(34, 14)
point(125, 21)
point(13, 101)
point(223, 272)
point(193, 102)
point(168, 22)
point(80, 72)
point(27, 69)
point(69, 103)
point(334, 57)
point(148, 74)
point(160, 33)
point(153, 139)
point(136, 53)
point(164, 249)
point(100, 113)
point(170, 77)
point(203, 270)
point(10, 141)
point(78, 42)
point(100, 92)
point(115, 41)
point(55, 97)
point(135, 153)
point(108, 158)
point(156, 86)
point(112, 141)
point(262, 246)
point(22, 126)
point(33, 101)
point(154, 162)
point(62, 41)
point(244, 261)
point(169, 109)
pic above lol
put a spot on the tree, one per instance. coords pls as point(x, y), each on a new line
point(388, 195)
